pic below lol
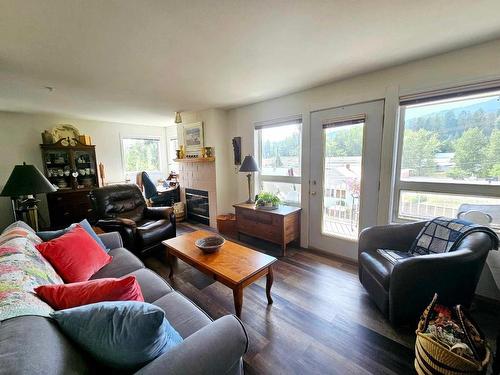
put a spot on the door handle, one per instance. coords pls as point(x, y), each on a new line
point(313, 193)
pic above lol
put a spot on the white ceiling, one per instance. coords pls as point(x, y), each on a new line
point(137, 61)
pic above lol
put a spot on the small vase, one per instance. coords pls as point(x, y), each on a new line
point(208, 152)
point(47, 137)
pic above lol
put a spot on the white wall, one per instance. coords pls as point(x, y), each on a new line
point(476, 63)
point(217, 135)
point(473, 64)
point(20, 139)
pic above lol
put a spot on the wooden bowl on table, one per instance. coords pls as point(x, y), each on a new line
point(210, 244)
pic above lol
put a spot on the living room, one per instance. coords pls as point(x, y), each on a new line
point(320, 142)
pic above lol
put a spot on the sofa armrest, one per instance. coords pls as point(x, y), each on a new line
point(393, 236)
point(111, 240)
point(214, 349)
point(158, 213)
point(126, 228)
point(116, 223)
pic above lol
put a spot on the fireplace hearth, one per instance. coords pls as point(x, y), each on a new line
point(198, 205)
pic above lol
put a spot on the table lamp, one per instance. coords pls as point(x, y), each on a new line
point(249, 165)
point(24, 183)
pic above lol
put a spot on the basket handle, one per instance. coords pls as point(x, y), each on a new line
point(426, 315)
point(464, 315)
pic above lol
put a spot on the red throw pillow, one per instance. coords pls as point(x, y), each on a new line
point(76, 256)
point(65, 296)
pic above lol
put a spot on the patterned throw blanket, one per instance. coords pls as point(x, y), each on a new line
point(439, 235)
point(22, 268)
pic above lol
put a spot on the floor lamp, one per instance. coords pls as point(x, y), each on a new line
point(24, 183)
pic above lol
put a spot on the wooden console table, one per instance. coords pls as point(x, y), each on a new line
point(280, 226)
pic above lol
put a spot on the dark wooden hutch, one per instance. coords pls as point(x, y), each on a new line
point(72, 167)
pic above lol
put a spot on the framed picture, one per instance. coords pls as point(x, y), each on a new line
point(193, 138)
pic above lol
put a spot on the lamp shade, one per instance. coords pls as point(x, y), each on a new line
point(26, 180)
point(249, 164)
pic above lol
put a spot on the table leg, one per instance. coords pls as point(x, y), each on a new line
point(283, 249)
point(238, 300)
point(171, 260)
point(269, 284)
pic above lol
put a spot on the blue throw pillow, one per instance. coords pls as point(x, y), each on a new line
point(52, 234)
point(124, 335)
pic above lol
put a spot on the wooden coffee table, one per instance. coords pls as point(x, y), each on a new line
point(234, 265)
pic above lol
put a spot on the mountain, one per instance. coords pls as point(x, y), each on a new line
point(489, 106)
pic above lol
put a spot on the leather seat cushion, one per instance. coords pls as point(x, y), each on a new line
point(151, 232)
point(377, 266)
point(184, 315)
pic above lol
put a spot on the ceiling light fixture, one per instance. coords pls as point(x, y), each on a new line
point(178, 118)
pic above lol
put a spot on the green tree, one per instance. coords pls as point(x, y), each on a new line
point(493, 154)
point(277, 160)
point(419, 150)
point(470, 151)
point(495, 171)
point(142, 155)
point(344, 141)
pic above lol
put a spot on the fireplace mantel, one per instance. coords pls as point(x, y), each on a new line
point(195, 160)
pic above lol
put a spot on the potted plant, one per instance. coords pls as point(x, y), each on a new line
point(267, 201)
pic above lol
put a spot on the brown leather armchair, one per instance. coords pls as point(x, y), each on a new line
point(403, 290)
point(122, 208)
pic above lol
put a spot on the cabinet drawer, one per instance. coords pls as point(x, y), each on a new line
point(265, 227)
point(265, 232)
point(257, 217)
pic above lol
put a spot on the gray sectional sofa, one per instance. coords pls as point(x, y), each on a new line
point(34, 344)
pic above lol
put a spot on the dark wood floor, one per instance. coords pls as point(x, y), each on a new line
point(321, 322)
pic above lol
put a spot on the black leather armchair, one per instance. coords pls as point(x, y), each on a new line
point(122, 208)
point(402, 291)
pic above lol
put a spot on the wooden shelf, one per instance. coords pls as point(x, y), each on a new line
point(195, 160)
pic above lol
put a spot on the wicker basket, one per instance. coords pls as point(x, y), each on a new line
point(431, 357)
point(180, 212)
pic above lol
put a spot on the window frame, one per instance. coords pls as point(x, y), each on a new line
point(297, 180)
point(140, 137)
point(446, 188)
point(170, 158)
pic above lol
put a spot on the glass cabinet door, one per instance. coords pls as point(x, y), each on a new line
point(58, 168)
point(85, 166)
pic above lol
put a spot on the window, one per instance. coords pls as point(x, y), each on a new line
point(279, 156)
point(173, 145)
point(140, 154)
point(449, 154)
